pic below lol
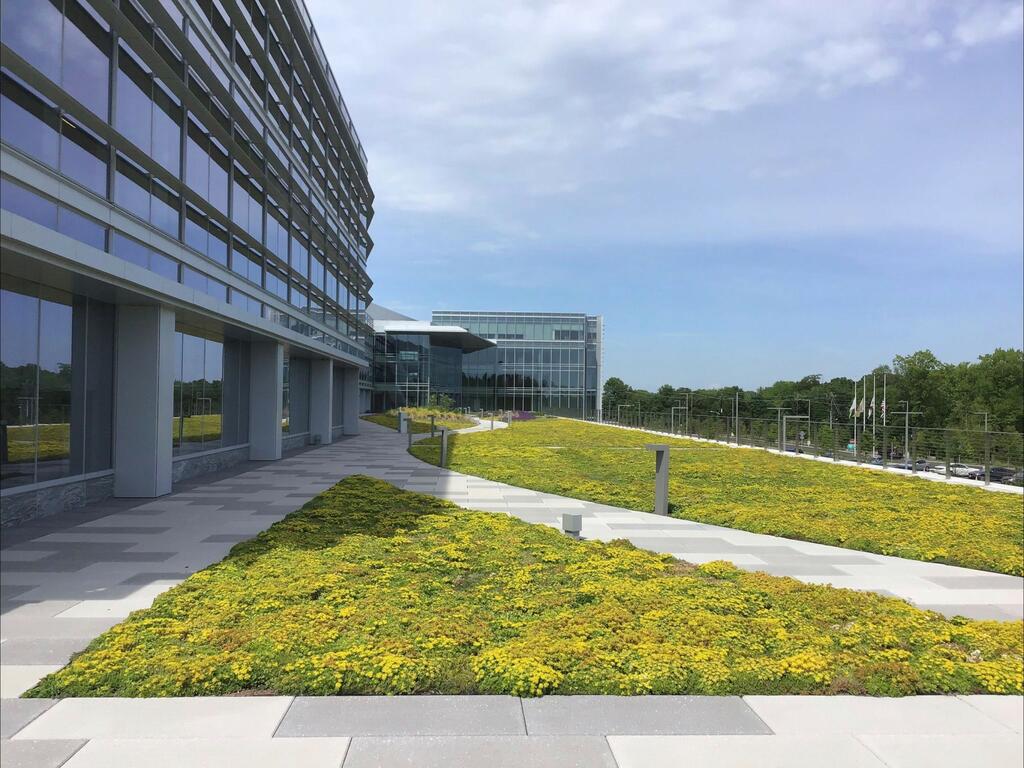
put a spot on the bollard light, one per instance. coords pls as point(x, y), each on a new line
point(660, 477)
point(444, 447)
point(572, 523)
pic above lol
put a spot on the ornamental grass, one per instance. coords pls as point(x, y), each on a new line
point(421, 419)
point(372, 590)
point(753, 490)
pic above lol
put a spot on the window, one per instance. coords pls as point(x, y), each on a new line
point(147, 113)
point(23, 202)
point(299, 253)
point(198, 394)
point(132, 250)
point(28, 122)
point(30, 28)
point(83, 157)
point(46, 336)
point(247, 263)
point(247, 204)
point(81, 228)
point(85, 64)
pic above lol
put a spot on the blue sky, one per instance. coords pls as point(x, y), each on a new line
point(745, 191)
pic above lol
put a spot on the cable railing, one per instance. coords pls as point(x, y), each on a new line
point(986, 456)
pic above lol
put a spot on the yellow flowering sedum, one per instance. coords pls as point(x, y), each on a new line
point(753, 490)
point(369, 589)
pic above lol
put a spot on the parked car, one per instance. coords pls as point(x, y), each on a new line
point(1003, 475)
point(964, 470)
point(1017, 479)
point(920, 465)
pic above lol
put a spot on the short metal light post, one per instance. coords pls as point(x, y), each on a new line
point(403, 424)
point(572, 523)
point(432, 420)
point(409, 432)
point(660, 477)
point(444, 447)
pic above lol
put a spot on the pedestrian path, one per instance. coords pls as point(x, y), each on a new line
point(508, 732)
point(67, 579)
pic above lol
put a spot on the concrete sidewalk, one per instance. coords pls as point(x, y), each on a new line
point(67, 579)
point(506, 732)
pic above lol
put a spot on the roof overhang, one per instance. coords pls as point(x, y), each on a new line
point(442, 335)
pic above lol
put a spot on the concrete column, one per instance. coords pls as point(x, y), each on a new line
point(144, 401)
point(350, 400)
point(266, 365)
point(321, 400)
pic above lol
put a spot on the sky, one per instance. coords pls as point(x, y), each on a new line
point(745, 191)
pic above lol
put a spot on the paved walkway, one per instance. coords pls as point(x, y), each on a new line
point(66, 579)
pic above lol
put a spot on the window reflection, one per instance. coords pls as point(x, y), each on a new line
point(211, 397)
point(55, 410)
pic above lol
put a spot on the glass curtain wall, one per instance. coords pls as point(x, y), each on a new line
point(402, 370)
point(541, 362)
point(303, 213)
point(56, 384)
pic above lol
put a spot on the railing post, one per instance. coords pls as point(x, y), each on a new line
point(885, 448)
point(432, 419)
point(949, 456)
point(444, 447)
point(660, 477)
point(988, 457)
point(835, 446)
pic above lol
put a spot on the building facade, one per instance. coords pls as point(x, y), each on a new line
point(541, 362)
point(183, 245)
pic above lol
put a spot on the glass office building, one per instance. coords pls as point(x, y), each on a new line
point(541, 362)
point(415, 363)
point(185, 211)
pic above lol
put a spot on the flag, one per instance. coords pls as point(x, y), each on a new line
point(883, 409)
point(871, 408)
point(853, 406)
point(863, 405)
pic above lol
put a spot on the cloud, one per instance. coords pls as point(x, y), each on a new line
point(988, 22)
point(498, 112)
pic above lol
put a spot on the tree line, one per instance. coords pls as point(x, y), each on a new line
point(948, 395)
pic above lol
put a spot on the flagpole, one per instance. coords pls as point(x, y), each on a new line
point(864, 413)
point(873, 408)
point(885, 405)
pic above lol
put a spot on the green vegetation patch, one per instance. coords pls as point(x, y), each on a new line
point(421, 419)
point(753, 490)
point(372, 590)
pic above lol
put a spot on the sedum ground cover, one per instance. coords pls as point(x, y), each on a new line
point(368, 589)
point(421, 419)
point(753, 490)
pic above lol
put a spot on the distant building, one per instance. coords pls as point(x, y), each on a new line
point(549, 362)
point(416, 362)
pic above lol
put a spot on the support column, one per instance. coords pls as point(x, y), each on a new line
point(144, 404)
point(350, 400)
point(266, 364)
point(321, 400)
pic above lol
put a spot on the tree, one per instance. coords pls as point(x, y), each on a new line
point(616, 392)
